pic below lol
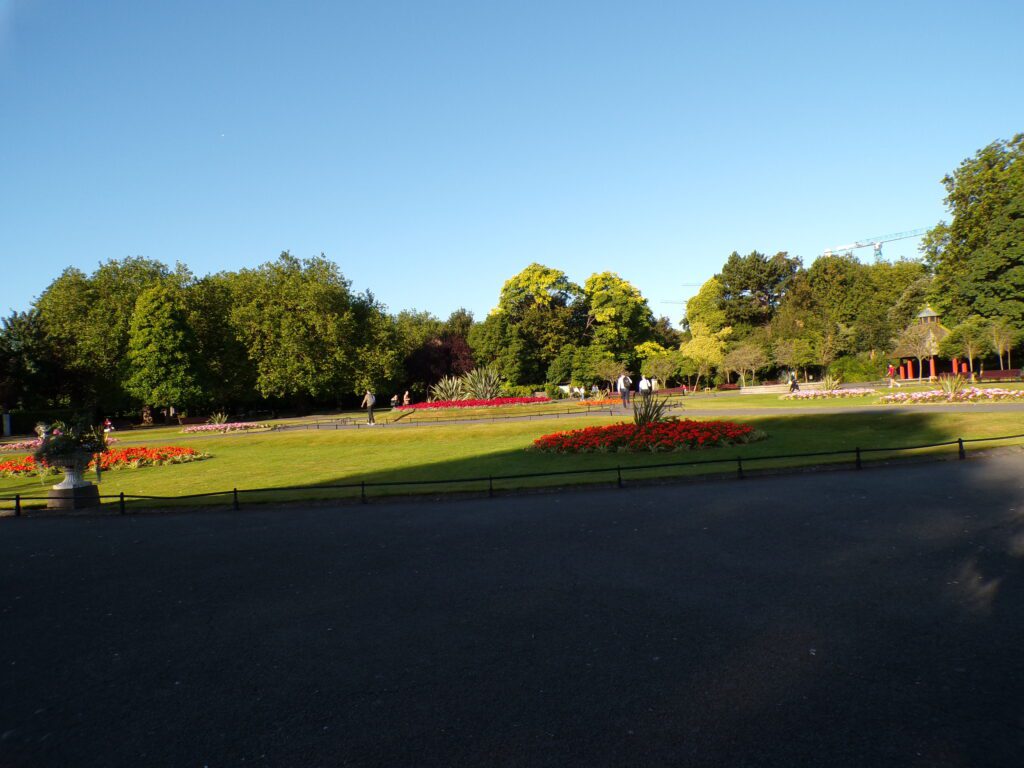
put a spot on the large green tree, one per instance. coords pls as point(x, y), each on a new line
point(87, 318)
point(162, 350)
point(978, 257)
point(754, 285)
point(618, 316)
point(539, 312)
point(307, 334)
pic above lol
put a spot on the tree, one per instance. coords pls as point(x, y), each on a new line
point(609, 369)
point(86, 320)
point(754, 285)
point(226, 374)
point(539, 311)
point(917, 340)
point(706, 307)
point(705, 349)
point(162, 350)
point(744, 358)
point(308, 335)
point(969, 339)
point(661, 366)
point(1003, 337)
point(29, 371)
point(618, 317)
point(978, 258)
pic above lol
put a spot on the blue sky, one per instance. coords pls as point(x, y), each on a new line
point(433, 149)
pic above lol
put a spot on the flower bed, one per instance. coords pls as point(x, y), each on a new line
point(493, 402)
point(828, 394)
point(234, 426)
point(969, 395)
point(600, 401)
point(119, 458)
point(27, 446)
point(659, 436)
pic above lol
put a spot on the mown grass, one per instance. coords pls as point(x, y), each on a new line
point(444, 453)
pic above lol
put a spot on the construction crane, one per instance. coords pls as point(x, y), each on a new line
point(874, 242)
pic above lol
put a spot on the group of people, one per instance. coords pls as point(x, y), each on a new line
point(625, 385)
point(370, 400)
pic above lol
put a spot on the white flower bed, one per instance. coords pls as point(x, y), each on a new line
point(236, 426)
point(970, 395)
point(829, 394)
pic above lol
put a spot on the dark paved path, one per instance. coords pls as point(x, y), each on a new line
point(834, 619)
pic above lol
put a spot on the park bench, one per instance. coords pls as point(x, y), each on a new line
point(1009, 374)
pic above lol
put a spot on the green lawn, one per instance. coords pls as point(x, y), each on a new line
point(445, 452)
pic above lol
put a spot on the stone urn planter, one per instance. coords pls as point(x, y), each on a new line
point(73, 492)
point(69, 447)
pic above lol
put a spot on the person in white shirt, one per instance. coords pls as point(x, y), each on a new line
point(645, 387)
point(369, 400)
point(623, 385)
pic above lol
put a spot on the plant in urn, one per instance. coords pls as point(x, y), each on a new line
point(69, 448)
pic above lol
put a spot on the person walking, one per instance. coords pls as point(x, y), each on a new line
point(624, 383)
point(406, 399)
point(394, 400)
point(369, 400)
point(794, 386)
point(890, 373)
point(645, 388)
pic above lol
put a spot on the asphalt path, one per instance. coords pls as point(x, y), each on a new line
point(850, 618)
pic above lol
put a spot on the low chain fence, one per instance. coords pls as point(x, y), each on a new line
point(618, 475)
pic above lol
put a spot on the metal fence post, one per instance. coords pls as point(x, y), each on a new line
point(739, 468)
point(960, 448)
point(234, 498)
point(362, 491)
point(120, 502)
point(17, 505)
point(618, 472)
point(858, 459)
point(490, 487)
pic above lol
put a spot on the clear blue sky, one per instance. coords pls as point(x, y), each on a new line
point(433, 149)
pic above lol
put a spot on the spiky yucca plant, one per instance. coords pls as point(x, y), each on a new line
point(482, 384)
point(953, 385)
point(830, 382)
point(649, 410)
point(448, 388)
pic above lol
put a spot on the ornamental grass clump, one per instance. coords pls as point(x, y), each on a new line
point(650, 410)
point(447, 389)
point(482, 384)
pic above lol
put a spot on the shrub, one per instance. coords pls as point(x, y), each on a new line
point(856, 368)
point(554, 392)
point(522, 390)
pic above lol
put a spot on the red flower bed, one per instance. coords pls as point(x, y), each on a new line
point(476, 403)
point(116, 458)
point(660, 436)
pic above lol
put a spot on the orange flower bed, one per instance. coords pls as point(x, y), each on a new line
point(659, 436)
point(116, 458)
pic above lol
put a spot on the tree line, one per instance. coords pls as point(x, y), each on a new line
point(292, 333)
